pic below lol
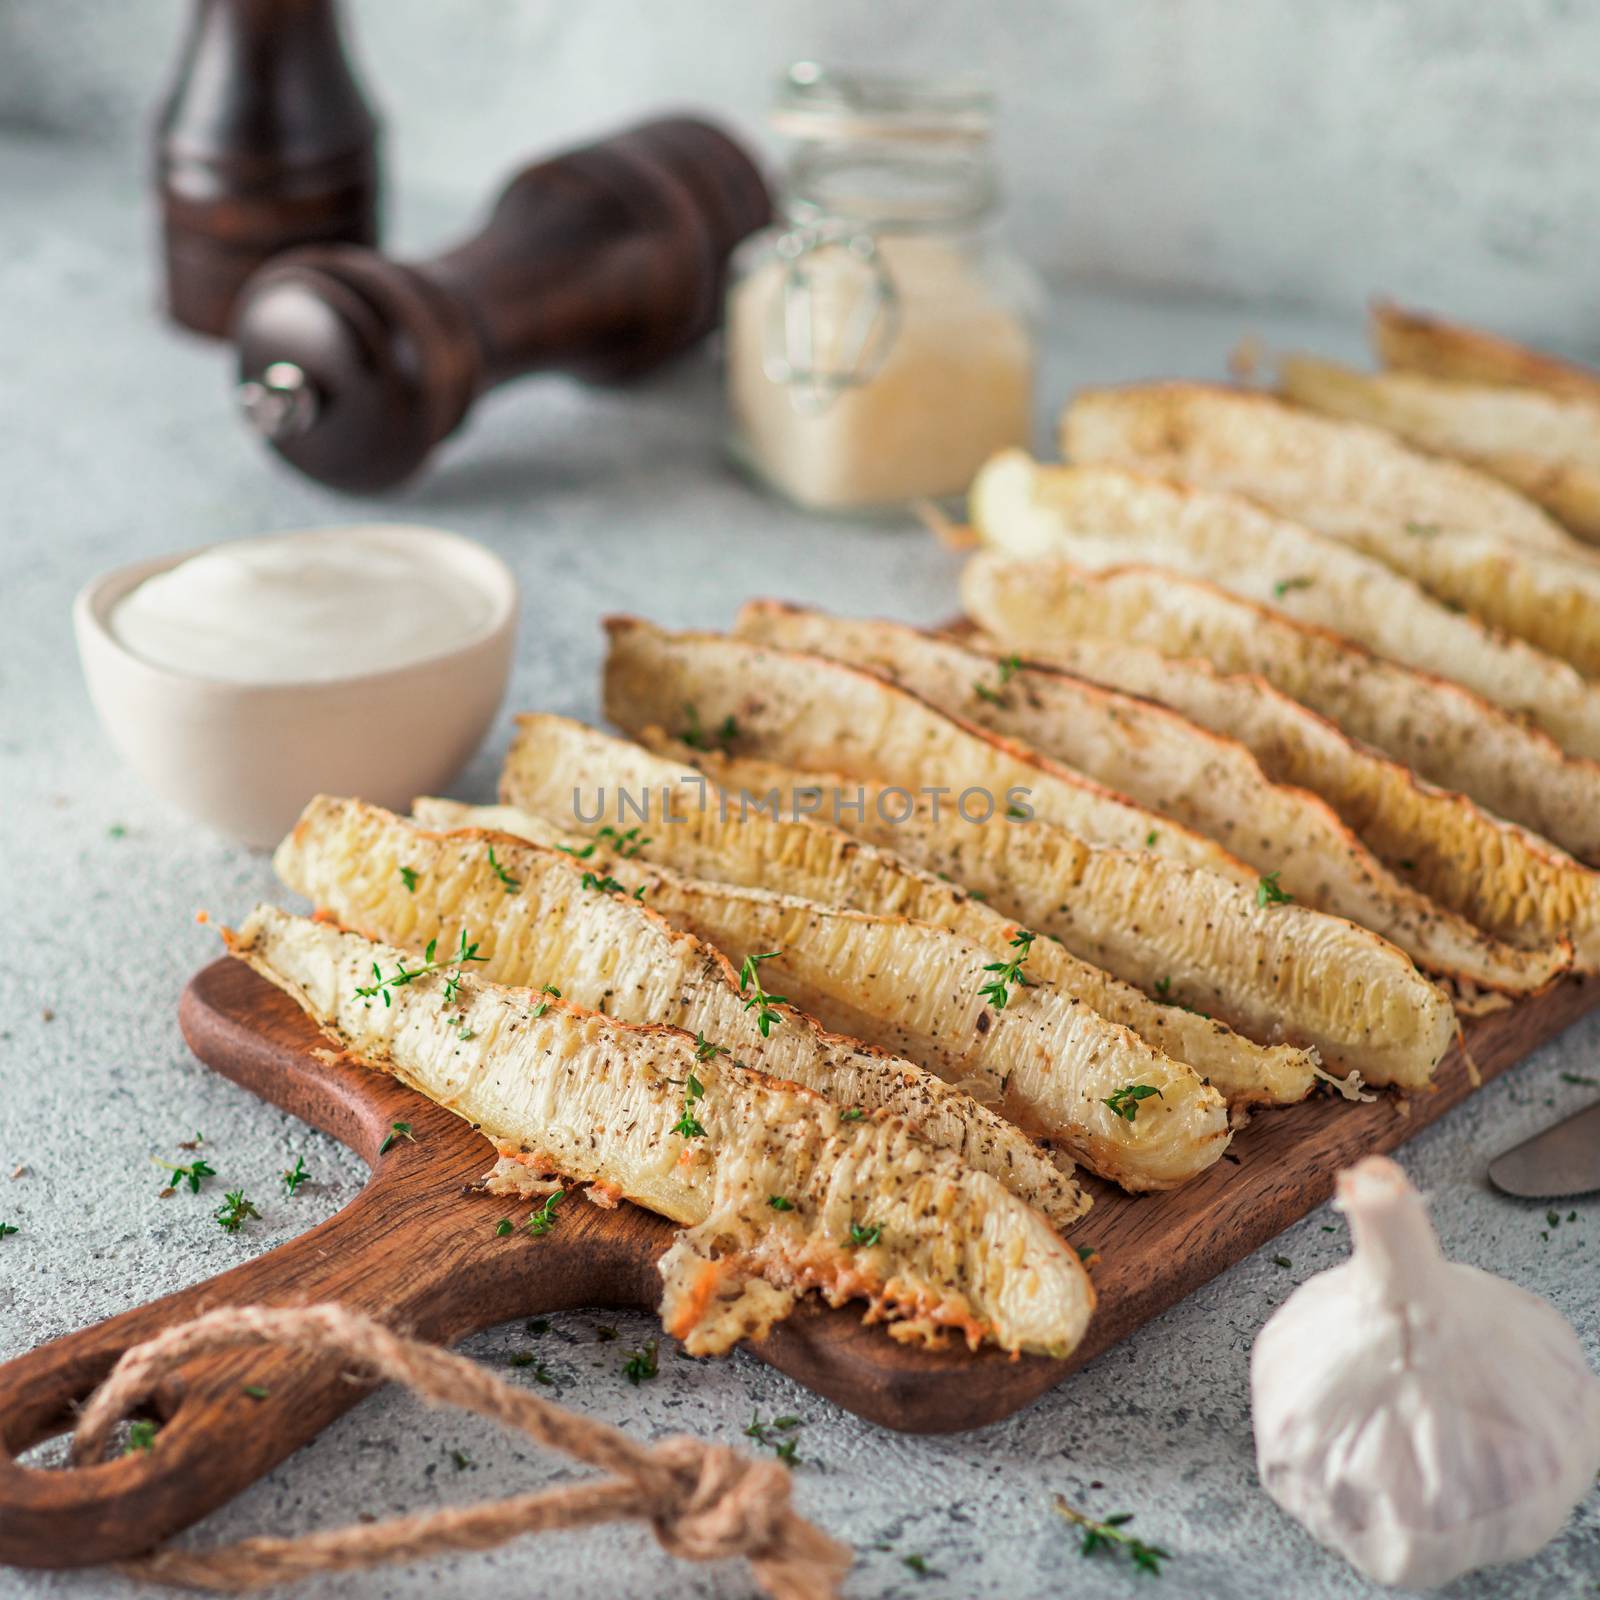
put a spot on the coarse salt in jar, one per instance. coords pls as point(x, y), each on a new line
point(879, 338)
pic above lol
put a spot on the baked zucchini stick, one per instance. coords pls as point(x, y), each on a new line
point(1186, 771)
point(1274, 971)
point(1042, 1058)
point(1461, 535)
point(821, 715)
point(555, 767)
point(1500, 876)
point(1435, 727)
point(1546, 446)
point(937, 1245)
point(540, 917)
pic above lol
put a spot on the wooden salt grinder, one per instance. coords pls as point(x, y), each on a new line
point(601, 262)
point(265, 142)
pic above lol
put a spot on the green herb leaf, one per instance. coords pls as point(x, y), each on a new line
point(510, 884)
point(409, 876)
point(1270, 893)
point(780, 1202)
point(919, 1565)
point(235, 1211)
point(257, 1391)
point(8, 1228)
point(1284, 585)
point(397, 1132)
point(544, 1219)
point(1124, 1102)
point(1008, 973)
point(1108, 1535)
point(1282, 1261)
point(762, 1003)
point(141, 1436)
point(851, 1114)
point(696, 737)
point(864, 1235)
point(295, 1176)
point(641, 1365)
point(380, 986)
point(190, 1176)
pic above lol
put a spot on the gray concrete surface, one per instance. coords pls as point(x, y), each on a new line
point(1314, 152)
point(115, 443)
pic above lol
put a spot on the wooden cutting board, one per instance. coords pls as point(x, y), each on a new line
point(417, 1248)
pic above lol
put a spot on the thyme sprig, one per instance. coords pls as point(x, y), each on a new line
point(1270, 893)
point(294, 1176)
point(762, 1003)
point(544, 1219)
point(782, 1447)
point(8, 1227)
point(688, 1126)
point(510, 884)
point(430, 963)
point(409, 876)
point(544, 1005)
point(697, 738)
point(1007, 668)
point(1124, 1102)
point(397, 1132)
point(190, 1176)
point(235, 1211)
point(641, 1364)
point(998, 990)
point(1109, 1535)
point(865, 1234)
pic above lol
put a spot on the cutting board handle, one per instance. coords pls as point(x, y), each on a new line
point(406, 1251)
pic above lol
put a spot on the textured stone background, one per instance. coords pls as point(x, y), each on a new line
point(116, 443)
point(1314, 152)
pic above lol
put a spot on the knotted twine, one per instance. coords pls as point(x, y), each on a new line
point(704, 1502)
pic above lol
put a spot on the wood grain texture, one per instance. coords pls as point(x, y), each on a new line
point(417, 1248)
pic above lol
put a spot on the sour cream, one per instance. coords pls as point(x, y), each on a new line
point(304, 607)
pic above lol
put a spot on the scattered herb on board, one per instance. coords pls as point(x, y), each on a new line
point(1282, 1261)
point(688, 1126)
point(409, 876)
point(117, 831)
point(865, 1235)
point(760, 1001)
point(510, 884)
point(257, 1391)
point(294, 1176)
point(1553, 1218)
point(763, 1432)
point(998, 989)
point(540, 1374)
point(1109, 1535)
point(919, 1564)
point(641, 1364)
point(1007, 669)
point(780, 1202)
point(459, 1460)
point(404, 975)
point(1124, 1102)
point(1088, 1255)
point(8, 1228)
point(235, 1211)
point(190, 1176)
point(504, 1228)
point(1284, 585)
point(1579, 1079)
point(397, 1132)
point(1270, 893)
point(696, 737)
point(141, 1436)
point(544, 1219)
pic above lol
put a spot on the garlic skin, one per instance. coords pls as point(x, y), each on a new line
point(1421, 1417)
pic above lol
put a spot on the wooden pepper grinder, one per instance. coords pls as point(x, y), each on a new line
point(602, 262)
point(265, 141)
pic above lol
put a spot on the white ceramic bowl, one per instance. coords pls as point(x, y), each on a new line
point(245, 758)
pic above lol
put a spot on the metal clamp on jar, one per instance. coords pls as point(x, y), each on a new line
point(880, 345)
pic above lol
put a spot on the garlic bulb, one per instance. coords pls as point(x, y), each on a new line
point(1421, 1417)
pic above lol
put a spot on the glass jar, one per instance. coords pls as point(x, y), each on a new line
point(880, 339)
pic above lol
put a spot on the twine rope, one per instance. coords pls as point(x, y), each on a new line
point(704, 1502)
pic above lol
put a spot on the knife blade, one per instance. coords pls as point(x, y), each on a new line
point(1562, 1160)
